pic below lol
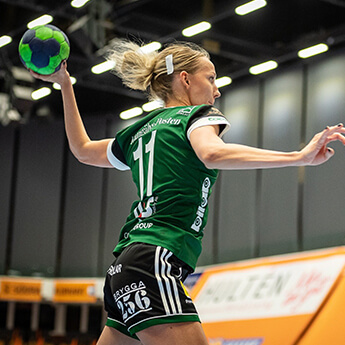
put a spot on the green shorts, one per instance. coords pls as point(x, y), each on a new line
point(143, 287)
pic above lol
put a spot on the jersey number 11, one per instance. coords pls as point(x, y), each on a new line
point(143, 211)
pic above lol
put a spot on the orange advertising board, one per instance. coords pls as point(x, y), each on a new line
point(327, 327)
point(74, 291)
point(20, 289)
point(267, 301)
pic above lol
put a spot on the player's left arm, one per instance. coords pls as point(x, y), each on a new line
point(216, 154)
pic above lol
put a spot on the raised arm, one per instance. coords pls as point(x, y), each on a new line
point(87, 151)
point(216, 154)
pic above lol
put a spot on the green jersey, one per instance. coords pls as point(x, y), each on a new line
point(173, 184)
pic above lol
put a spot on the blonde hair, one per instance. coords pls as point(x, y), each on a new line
point(148, 71)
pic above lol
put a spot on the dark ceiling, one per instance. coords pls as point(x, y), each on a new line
point(276, 31)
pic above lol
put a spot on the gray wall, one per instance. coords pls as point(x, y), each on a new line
point(278, 200)
point(58, 217)
point(7, 147)
point(37, 197)
point(324, 189)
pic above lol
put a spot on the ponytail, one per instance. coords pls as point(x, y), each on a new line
point(149, 71)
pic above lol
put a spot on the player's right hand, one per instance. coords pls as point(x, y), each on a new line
point(316, 151)
point(60, 77)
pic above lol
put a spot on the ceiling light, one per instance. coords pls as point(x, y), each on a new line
point(152, 106)
point(20, 73)
point(22, 92)
point(103, 67)
point(196, 29)
point(40, 93)
point(130, 113)
point(250, 7)
point(4, 40)
point(263, 67)
point(4, 107)
point(57, 86)
point(43, 111)
point(223, 81)
point(43, 20)
point(151, 47)
point(11, 115)
point(78, 3)
point(311, 51)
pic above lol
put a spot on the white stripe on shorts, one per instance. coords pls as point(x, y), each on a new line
point(174, 286)
point(169, 294)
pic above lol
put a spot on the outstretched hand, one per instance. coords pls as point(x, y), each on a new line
point(316, 151)
point(58, 77)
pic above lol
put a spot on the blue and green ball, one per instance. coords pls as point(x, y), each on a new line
point(43, 48)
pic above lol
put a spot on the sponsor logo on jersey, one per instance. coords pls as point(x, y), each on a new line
point(143, 226)
point(132, 299)
point(213, 118)
point(125, 290)
point(114, 269)
point(202, 208)
point(169, 121)
point(186, 111)
point(149, 127)
point(144, 210)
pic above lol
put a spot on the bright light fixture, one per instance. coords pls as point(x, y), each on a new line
point(314, 50)
point(57, 86)
point(43, 20)
point(250, 7)
point(151, 47)
point(21, 73)
point(133, 112)
point(263, 67)
point(5, 40)
point(78, 3)
point(22, 92)
point(40, 93)
point(103, 67)
point(196, 29)
point(152, 106)
point(223, 81)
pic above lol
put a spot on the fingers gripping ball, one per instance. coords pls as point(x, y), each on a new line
point(43, 48)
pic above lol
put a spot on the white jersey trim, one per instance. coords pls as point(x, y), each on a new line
point(113, 160)
point(210, 121)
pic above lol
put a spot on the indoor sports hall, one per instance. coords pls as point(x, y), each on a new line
point(272, 266)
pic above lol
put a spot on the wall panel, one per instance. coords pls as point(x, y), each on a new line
point(82, 212)
point(6, 163)
point(278, 206)
point(324, 193)
point(35, 228)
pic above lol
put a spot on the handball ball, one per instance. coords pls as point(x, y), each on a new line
point(43, 48)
